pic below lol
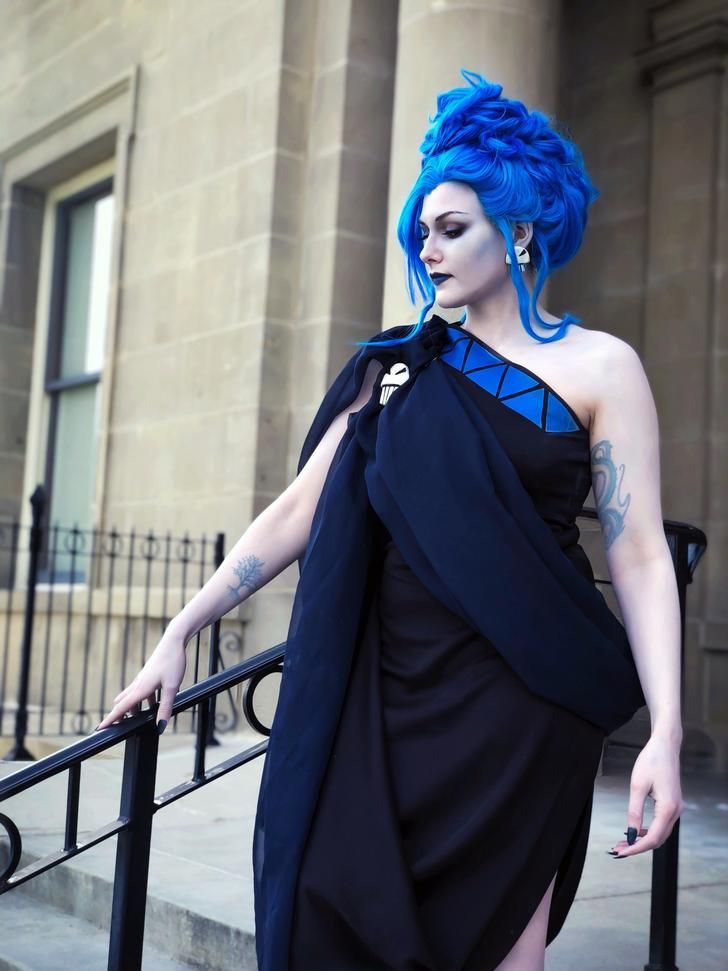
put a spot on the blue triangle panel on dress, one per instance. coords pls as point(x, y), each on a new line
point(455, 352)
point(516, 381)
point(530, 405)
point(558, 417)
point(486, 370)
point(488, 378)
point(481, 357)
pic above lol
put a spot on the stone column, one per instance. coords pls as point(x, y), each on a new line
point(513, 44)
point(343, 226)
point(329, 225)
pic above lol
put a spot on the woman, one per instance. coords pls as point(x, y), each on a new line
point(451, 669)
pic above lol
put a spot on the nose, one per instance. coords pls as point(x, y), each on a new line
point(429, 250)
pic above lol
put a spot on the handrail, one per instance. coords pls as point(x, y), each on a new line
point(138, 803)
point(98, 742)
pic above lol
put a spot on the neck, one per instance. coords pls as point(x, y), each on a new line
point(496, 318)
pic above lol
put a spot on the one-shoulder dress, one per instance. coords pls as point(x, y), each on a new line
point(452, 795)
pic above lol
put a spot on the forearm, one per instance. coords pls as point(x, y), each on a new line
point(272, 542)
point(648, 599)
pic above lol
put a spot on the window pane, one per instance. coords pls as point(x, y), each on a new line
point(87, 286)
point(74, 468)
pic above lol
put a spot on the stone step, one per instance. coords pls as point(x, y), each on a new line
point(34, 936)
point(185, 933)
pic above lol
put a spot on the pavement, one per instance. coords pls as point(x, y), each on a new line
point(200, 907)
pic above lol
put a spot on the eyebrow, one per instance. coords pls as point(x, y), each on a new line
point(442, 216)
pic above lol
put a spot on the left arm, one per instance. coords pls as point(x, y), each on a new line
point(625, 463)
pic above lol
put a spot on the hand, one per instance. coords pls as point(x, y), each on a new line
point(656, 772)
point(164, 669)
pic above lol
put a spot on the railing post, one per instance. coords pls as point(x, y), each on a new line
point(19, 752)
point(663, 898)
point(214, 648)
point(132, 851)
point(663, 904)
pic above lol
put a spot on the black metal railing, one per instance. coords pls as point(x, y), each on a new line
point(138, 804)
point(91, 607)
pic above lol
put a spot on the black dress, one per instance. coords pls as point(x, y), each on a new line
point(452, 795)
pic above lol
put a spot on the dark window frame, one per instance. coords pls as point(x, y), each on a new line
point(52, 384)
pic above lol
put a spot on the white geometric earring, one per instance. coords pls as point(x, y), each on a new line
point(522, 255)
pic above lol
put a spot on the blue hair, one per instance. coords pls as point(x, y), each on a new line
point(522, 170)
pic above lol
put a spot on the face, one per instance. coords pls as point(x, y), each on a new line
point(460, 241)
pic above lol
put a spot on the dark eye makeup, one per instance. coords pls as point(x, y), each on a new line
point(451, 233)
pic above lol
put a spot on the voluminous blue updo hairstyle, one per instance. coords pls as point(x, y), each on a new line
point(521, 169)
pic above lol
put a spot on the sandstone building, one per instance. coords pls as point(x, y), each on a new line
point(216, 185)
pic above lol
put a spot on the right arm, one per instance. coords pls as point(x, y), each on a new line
point(276, 537)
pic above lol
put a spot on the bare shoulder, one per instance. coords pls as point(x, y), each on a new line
point(598, 344)
point(608, 345)
point(609, 366)
point(614, 367)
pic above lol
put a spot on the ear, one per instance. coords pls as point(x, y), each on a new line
point(522, 233)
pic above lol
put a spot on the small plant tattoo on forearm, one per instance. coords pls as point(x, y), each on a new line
point(249, 575)
point(607, 483)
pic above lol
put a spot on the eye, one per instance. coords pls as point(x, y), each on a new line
point(451, 233)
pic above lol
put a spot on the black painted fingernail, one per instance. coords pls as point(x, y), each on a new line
point(161, 725)
point(631, 835)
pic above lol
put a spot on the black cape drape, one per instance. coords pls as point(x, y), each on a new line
point(429, 465)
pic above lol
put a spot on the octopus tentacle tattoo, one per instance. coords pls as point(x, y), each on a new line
point(249, 575)
point(607, 483)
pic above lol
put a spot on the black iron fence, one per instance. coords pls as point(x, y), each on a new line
point(80, 612)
